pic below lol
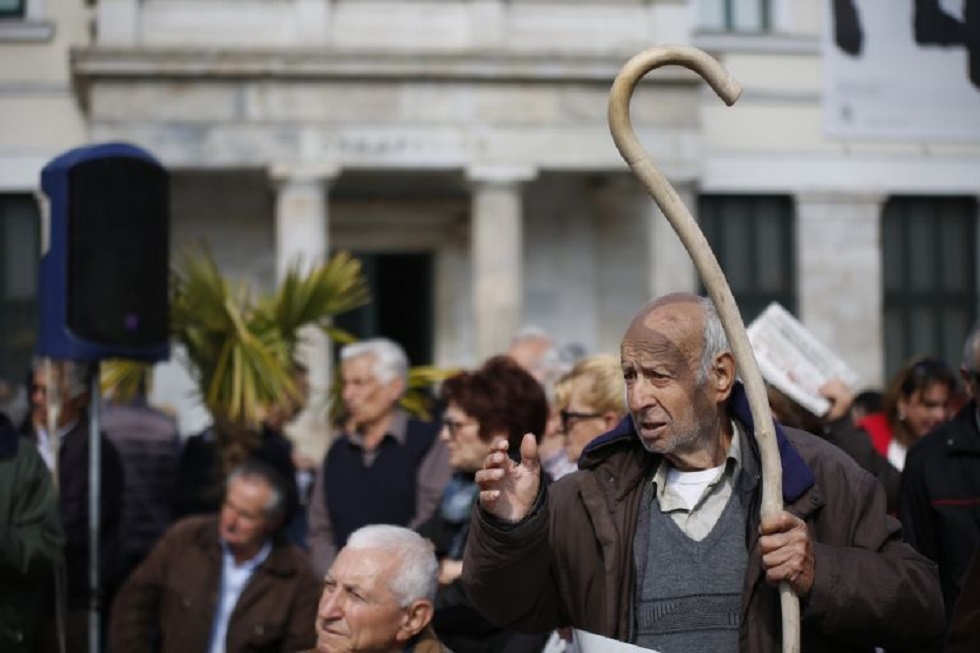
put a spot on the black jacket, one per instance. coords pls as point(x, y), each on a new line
point(940, 498)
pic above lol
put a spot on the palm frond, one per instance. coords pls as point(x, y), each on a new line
point(123, 380)
point(242, 348)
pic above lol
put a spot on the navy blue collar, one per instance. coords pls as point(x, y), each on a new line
point(797, 476)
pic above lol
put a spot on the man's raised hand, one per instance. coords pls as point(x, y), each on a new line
point(507, 488)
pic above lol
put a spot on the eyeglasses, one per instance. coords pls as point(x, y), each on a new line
point(453, 426)
point(568, 416)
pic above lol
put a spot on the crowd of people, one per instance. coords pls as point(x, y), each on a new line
point(553, 492)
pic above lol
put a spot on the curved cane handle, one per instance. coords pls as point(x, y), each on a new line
point(707, 265)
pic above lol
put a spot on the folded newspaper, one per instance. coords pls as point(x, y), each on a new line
point(793, 360)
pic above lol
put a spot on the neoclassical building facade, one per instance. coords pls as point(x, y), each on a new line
point(461, 149)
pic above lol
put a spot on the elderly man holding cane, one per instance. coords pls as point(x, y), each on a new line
point(657, 540)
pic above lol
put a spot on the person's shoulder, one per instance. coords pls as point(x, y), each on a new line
point(416, 424)
point(825, 459)
point(194, 527)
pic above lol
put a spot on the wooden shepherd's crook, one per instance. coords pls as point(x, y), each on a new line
point(707, 265)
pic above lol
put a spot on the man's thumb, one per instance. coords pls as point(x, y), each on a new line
point(529, 451)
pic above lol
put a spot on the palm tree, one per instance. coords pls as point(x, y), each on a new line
point(241, 349)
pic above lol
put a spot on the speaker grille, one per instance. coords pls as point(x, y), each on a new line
point(118, 252)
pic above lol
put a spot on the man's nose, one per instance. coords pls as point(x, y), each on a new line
point(347, 393)
point(640, 395)
point(331, 605)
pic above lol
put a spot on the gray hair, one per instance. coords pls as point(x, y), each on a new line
point(715, 340)
point(390, 361)
point(417, 574)
point(970, 346)
point(253, 470)
point(77, 374)
point(554, 361)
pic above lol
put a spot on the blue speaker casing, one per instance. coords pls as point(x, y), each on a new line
point(56, 338)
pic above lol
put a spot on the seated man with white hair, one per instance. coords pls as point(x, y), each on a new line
point(378, 594)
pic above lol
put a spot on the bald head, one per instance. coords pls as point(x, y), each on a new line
point(678, 372)
point(672, 325)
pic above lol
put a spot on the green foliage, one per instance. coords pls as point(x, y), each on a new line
point(241, 349)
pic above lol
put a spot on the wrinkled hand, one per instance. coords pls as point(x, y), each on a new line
point(840, 397)
point(508, 489)
point(787, 553)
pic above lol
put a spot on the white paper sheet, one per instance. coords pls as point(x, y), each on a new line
point(591, 643)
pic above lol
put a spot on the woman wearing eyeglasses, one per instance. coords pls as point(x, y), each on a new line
point(591, 400)
point(498, 400)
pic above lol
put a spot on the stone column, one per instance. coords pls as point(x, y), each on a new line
point(497, 254)
point(840, 278)
point(671, 267)
point(301, 232)
point(638, 254)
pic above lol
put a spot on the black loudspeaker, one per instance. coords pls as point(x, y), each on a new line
point(105, 277)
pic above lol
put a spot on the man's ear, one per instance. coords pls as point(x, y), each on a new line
point(417, 616)
point(722, 375)
point(397, 386)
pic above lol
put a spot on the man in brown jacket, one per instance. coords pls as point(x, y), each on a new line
point(657, 540)
point(226, 584)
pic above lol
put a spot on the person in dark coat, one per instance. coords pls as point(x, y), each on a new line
point(940, 491)
point(222, 583)
point(657, 540)
point(31, 539)
point(67, 450)
point(385, 467)
point(964, 624)
point(499, 400)
point(148, 444)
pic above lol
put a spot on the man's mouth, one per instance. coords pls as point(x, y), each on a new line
point(651, 426)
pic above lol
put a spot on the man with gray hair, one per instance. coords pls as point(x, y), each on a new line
point(226, 583)
point(67, 451)
point(378, 594)
point(940, 492)
point(385, 467)
point(657, 539)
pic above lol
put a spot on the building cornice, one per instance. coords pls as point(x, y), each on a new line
point(100, 62)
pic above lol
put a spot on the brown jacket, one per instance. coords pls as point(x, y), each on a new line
point(174, 592)
point(570, 561)
point(424, 642)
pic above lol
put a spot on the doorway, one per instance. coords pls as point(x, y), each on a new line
point(401, 306)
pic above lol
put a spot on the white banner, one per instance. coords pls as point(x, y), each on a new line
point(906, 70)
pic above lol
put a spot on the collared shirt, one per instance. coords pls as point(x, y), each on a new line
point(697, 521)
point(397, 430)
point(234, 578)
point(44, 442)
